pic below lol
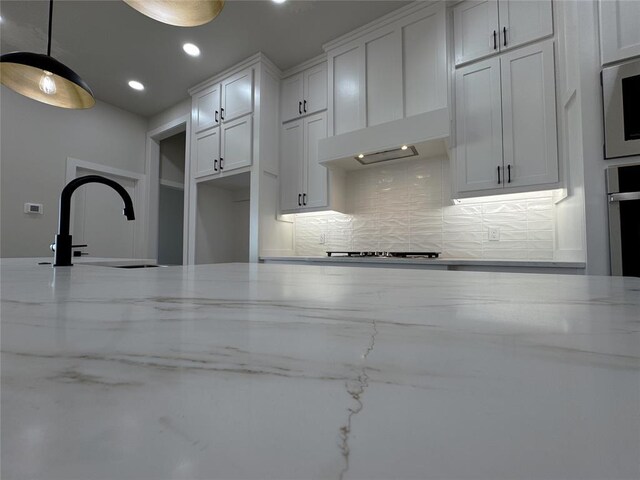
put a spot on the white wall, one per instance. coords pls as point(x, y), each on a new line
point(172, 152)
point(36, 141)
point(172, 113)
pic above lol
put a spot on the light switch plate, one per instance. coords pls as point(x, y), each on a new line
point(33, 208)
point(494, 234)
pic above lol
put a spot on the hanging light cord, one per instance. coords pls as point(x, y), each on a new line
point(50, 23)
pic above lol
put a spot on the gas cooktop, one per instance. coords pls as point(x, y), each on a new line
point(386, 254)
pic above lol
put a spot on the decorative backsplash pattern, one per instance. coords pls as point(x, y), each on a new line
point(406, 207)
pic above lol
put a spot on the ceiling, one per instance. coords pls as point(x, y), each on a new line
point(108, 43)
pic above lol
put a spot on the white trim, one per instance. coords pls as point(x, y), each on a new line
point(139, 197)
point(152, 168)
point(378, 23)
point(312, 62)
point(251, 61)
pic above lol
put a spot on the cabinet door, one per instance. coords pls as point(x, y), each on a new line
point(475, 30)
point(291, 169)
point(529, 116)
point(316, 175)
point(348, 90)
point(478, 126)
point(384, 78)
point(237, 136)
point(522, 21)
point(237, 95)
point(315, 89)
point(207, 149)
point(291, 97)
point(619, 29)
point(206, 106)
point(425, 63)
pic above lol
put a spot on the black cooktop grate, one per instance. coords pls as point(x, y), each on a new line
point(385, 254)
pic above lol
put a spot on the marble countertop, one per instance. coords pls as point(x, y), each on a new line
point(275, 371)
point(426, 261)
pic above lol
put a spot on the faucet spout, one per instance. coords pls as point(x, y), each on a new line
point(62, 243)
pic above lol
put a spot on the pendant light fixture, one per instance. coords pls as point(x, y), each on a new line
point(180, 13)
point(43, 78)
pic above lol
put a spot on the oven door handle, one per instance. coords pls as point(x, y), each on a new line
point(623, 197)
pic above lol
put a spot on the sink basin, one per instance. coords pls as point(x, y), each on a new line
point(128, 264)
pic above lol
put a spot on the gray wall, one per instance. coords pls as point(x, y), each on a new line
point(36, 140)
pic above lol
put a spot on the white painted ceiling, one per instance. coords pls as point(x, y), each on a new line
point(108, 43)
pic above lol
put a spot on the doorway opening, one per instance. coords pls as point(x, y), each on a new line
point(171, 199)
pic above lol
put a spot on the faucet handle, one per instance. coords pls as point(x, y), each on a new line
point(53, 246)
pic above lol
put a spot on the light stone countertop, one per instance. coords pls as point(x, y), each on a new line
point(426, 261)
point(274, 371)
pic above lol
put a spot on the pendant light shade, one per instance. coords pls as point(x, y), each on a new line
point(43, 78)
point(181, 13)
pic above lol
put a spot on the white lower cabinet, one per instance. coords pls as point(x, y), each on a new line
point(304, 183)
point(224, 148)
point(506, 121)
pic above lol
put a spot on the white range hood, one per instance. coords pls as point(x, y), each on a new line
point(427, 132)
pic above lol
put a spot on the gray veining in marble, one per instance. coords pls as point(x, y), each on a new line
point(273, 371)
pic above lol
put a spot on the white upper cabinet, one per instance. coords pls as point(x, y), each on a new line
point(383, 60)
point(315, 175)
point(235, 143)
point(522, 21)
point(207, 152)
point(304, 93)
point(506, 121)
point(425, 63)
point(315, 88)
point(619, 30)
point(304, 183)
point(346, 68)
point(478, 126)
point(390, 72)
point(530, 142)
point(237, 95)
point(475, 30)
point(484, 27)
point(207, 109)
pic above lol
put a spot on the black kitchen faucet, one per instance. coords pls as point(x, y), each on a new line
point(62, 244)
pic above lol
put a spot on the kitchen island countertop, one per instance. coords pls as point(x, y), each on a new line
point(256, 371)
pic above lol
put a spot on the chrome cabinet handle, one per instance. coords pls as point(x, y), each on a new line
point(623, 197)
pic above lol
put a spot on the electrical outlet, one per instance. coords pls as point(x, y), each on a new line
point(494, 234)
point(323, 239)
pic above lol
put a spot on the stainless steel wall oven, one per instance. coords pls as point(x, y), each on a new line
point(623, 192)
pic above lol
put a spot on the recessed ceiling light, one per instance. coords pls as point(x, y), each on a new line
point(191, 49)
point(136, 85)
point(279, 1)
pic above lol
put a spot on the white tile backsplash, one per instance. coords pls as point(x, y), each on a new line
point(406, 206)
